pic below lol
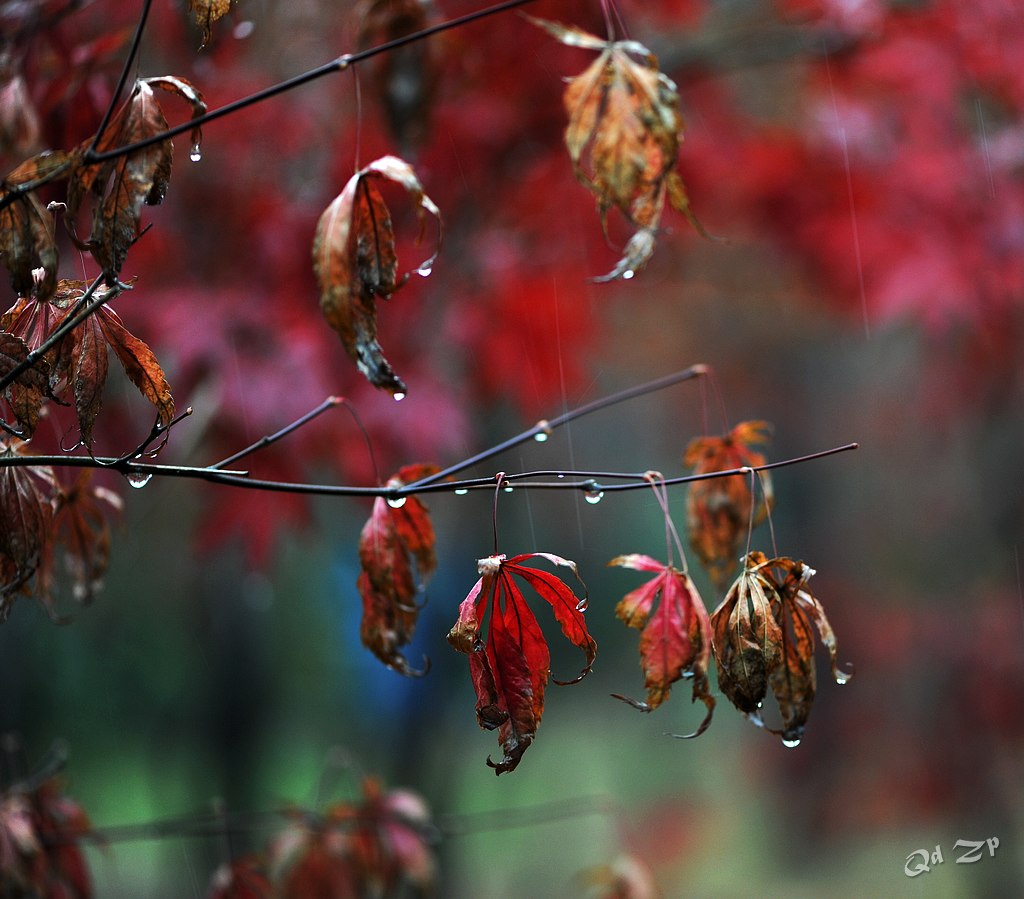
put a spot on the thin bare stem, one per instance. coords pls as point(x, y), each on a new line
point(267, 440)
point(547, 426)
point(129, 61)
point(335, 65)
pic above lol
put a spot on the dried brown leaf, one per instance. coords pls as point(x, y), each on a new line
point(354, 261)
point(623, 138)
point(205, 13)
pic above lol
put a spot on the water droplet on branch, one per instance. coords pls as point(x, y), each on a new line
point(195, 154)
point(138, 479)
point(396, 502)
point(462, 491)
point(791, 744)
point(399, 397)
point(593, 493)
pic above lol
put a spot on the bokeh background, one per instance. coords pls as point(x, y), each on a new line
point(862, 163)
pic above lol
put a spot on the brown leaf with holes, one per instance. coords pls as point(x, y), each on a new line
point(122, 186)
point(623, 138)
point(354, 261)
point(720, 511)
point(675, 641)
point(205, 13)
point(396, 553)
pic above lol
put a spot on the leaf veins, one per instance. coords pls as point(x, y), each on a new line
point(511, 668)
point(354, 261)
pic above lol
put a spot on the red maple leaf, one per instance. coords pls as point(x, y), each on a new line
point(510, 670)
point(396, 550)
point(676, 638)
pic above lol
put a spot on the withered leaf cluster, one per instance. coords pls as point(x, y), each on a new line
point(764, 639)
point(376, 846)
point(52, 532)
point(41, 832)
point(76, 365)
point(355, 262)
point(623, 138)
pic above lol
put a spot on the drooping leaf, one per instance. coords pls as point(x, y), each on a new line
point(720, 510)
point(747, 638)
point(205, 13)
point(26, 394)
point(139, 363)
point(396, 553)
point(675, 641)
point(354, 261)
point(27, 513)
point(123, 185)
point(623, 138)
point(511, 668)
point(28, 249)
point(793, 681)
point(81, 528)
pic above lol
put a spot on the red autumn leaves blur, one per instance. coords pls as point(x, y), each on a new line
point(40, 832)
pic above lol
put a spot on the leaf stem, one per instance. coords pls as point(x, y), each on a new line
point(267, 440)
point(547, 426)
point(335, 65)
point(133, 53)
